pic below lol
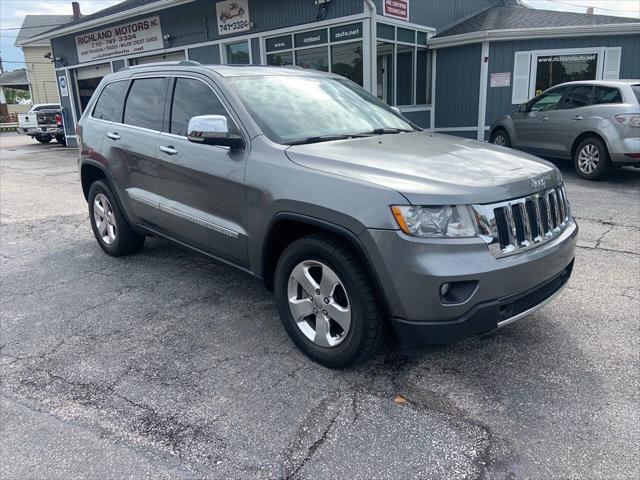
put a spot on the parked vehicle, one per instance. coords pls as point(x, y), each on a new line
point(594, 123)
point(351, 214)
point(43, 122)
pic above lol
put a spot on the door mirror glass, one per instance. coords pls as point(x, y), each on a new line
point(213, 130)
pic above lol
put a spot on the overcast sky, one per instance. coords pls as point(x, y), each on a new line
point(12, 13)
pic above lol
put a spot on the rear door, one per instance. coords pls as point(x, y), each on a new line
point(201, 187)
point(131, 146)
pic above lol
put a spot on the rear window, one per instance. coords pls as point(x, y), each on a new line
point(636, 91)
point(606, 95)
point(145, 103)
point(109, 105)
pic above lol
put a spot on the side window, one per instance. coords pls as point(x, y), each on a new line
point(145, 103)
point(579, 96)
point(606, 95)
point(548, 101)
point(110, 103)
point(191, 98)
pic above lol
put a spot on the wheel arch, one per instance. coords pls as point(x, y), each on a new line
point(585, 135)
point(286, 227)
point(89, 173)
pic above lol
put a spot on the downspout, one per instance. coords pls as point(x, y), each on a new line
point(373, 47)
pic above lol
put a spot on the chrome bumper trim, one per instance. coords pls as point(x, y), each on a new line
point(534, 309)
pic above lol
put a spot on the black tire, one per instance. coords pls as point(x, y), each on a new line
point(365, 333)
point(42, 139)
point(582, 165)
point(500, 132)
point(62, 140)
point(126, 241)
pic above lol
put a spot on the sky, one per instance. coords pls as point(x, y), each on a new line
point(12, 13)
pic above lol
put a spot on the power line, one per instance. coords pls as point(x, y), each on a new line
point(35, 26)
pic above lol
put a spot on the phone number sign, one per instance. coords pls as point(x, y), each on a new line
point(123, 39)
point(233, 16)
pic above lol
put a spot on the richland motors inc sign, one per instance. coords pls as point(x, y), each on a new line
point(123, 39)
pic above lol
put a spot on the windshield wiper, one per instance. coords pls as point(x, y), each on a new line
point(325, 138)
point(385, 131)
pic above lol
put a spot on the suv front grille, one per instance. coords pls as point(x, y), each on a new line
point(523, 223)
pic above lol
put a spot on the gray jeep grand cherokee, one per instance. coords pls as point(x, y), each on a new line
point(353, 215)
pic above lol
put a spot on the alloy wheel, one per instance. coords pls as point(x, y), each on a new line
point(319, 303)
point(588, 158)
point(499, 140)
point(104, 218)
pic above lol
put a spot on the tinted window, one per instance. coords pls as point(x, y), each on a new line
point(145, 103)
point(606, 95)
point(548, 100)
point(636, 91)
point(579, 96)
point(109, 105)
point(192, 98)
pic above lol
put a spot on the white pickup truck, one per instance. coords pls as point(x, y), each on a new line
point(43, 122)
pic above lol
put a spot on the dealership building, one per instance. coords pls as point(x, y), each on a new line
point(449, 65)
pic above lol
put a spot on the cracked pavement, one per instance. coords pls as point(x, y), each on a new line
point(166, 365)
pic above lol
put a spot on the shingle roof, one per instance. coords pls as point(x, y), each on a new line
point(505, 18)
point(14, 77)
point(33, 25)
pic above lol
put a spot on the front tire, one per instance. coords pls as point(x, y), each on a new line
point(500, 137)
point(42, 139)
point(591, 159)
point(326, 302)
point(112, 231)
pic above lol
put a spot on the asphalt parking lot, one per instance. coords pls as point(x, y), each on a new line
point(166, 365)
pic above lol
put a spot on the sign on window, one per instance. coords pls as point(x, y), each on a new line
point(233, 16)
point(396, 9)
point(123, 39)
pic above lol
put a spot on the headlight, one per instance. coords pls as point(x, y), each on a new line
point(442, 221)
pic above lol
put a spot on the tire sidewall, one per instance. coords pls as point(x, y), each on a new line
point(97, 188)
point(500, 131)
point(348, 350)
point(603, 162)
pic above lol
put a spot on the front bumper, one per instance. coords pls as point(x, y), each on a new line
point(412, 270)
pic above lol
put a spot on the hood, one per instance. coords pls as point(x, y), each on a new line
point(429, 168)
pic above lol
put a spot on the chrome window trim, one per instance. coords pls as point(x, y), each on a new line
point(487, 222)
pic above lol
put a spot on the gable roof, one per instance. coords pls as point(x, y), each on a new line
point(15, 78)
point(518, 17)
point(34, 25)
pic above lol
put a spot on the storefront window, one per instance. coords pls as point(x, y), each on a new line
point(423, 76)
point(346, 60)
point(314, 58)
point(280, 58)
point(555, 69)
point(404, 55)
point(385, 72)
point(238, 54)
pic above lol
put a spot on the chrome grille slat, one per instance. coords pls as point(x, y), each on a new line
point(523, 223)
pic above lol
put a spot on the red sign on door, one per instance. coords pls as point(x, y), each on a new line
point(397, 9)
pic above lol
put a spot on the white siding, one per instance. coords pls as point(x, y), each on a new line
point(41, 75)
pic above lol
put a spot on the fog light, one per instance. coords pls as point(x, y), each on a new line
point(452, 293)
point(444, 289)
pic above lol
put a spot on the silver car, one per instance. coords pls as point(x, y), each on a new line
point(594, 123)
point(352, 215)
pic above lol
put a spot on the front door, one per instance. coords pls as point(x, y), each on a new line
point(566, 119)
point(201, 187)
point(531, 126)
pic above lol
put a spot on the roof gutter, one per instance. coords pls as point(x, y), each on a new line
point(91, 24)
point(528, 33)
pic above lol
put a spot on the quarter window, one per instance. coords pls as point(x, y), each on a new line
point(192, 98)
point(145, 103)
point(606, 95)
point(109, 105)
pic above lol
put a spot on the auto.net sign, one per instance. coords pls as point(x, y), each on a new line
point(397, 9)
point(124, 39)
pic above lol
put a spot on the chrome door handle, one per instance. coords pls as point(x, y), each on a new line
point(577, 117)
point(168, 149)
point(113, 135)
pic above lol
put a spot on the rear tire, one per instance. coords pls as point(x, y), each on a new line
point(112, 231)
point(591, 159)
point(500, 137)
point(62, 140)
point(332, 343)
point(43, 139)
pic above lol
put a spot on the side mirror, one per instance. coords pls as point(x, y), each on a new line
point(397, 110)
point(213, 130)
point(523, 108)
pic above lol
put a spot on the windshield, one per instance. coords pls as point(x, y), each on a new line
point(291, 108)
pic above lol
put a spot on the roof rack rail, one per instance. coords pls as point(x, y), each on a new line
point(177, 63)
